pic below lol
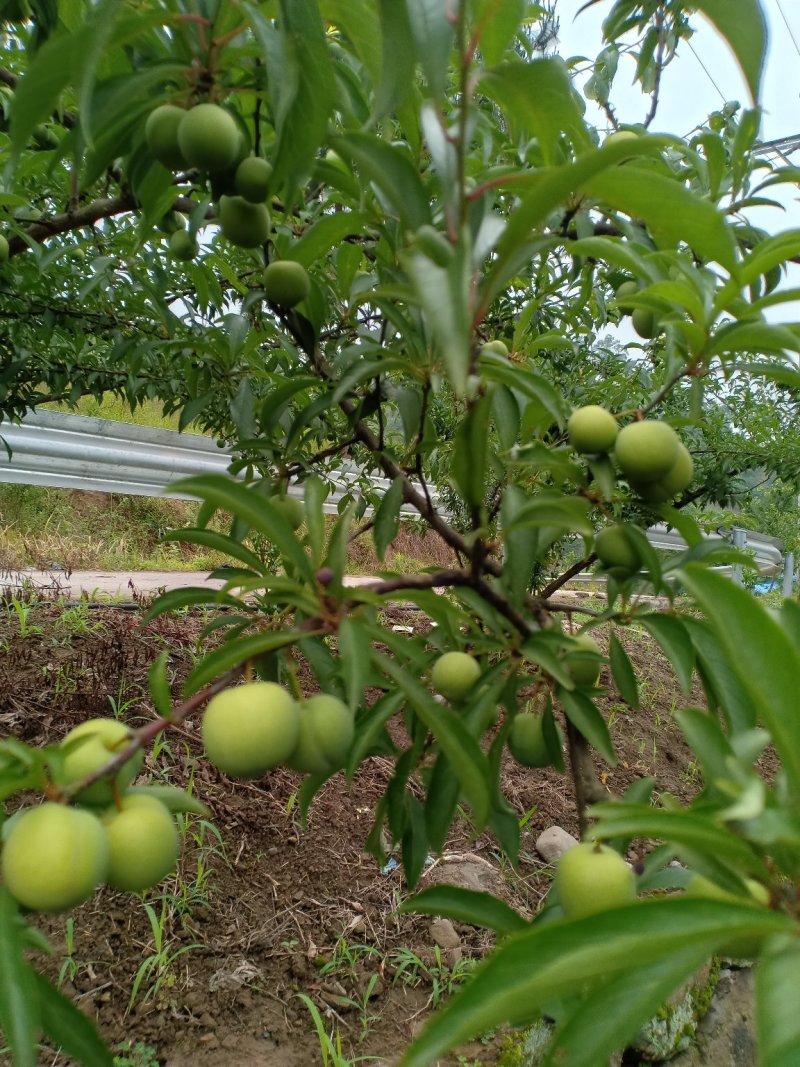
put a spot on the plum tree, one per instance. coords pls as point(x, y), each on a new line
point(161, 135)
point(249, 729)
point(54, 857)
point(454, 674)
point(88, 747)
point(646, 450)
point(244, 224)
point(209, 138)
point(325, 735)
point(286, 283)
point(252, 179)
point(591, 878)
point(592, 429)
point(143, 843)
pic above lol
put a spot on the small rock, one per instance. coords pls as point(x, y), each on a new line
point(230, 1041)
point(210, 1040)
point(453, 957)
point(444, 934)
point(552, 843)
point(206, 1020)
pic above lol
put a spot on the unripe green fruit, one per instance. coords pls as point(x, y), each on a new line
point(171, 222)
point(252, 179)
point(55, 857)
point(326, 734)
point(292, 510)
point(498, 346)
point(100, 740)
point(621, 135)
point(646, 450)
point(286, 283)
point(592, 429)
point(677, 478)
point(142, 842)
point(454, 674)
point(626, 290)
point(209, 138)
point(526, 741)
point(161, 135)
point(4, 249)
point(44, 138)
point(182, 246)
point(250, 728)
point(581, 661)
point(593, 878)
point(244, 224)
point(615, 549)
point(645, 323)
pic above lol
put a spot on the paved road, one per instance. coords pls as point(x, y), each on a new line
point(121, 584)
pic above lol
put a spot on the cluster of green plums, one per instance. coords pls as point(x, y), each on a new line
point(249, 729)
point(648, 452)
point(56, 855)
point(209, 139)
point(455, 674)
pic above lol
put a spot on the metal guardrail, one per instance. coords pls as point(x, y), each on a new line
point(50, 448)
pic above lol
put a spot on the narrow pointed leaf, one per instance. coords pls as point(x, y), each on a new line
point(466, 906)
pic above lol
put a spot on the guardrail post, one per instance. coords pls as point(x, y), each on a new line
point(788, 574)
point(739, 541)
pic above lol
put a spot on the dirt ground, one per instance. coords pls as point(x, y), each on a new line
point(207, 969)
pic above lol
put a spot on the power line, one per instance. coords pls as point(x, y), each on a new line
point(788, 27)
point(708, 73)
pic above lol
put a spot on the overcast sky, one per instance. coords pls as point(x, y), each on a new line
point(689, 92)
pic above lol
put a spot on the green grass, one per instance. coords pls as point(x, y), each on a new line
point(80, 531)
point(148, 413)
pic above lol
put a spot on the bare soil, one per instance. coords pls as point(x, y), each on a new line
point(262, 910)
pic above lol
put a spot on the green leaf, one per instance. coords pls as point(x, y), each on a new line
point(777, 980)
point(718, 677)
point(706, 740)
point(251, 508)
point(673, 214)
point(219, 542)
point(465, 906)
point(370, 727)
point(681, 827)
point(38, 91)
point(624, 676)
point(393, 175)
point(432, 30)
point(302, 87)
point(398, 58)
point(326, 233)
point(745, 30)
point(158, 682)
point(462, 750)
point(443, 293)
point(387, 517)
point(567, 957)
point(671, 635)
point(354, 659)
point(611, 1016)
point(568, 513)
point(173, 798)
point(414, 844)
point(470, 453)
point(440, 802)
point(538, 99)
point(584, 716)
point(237, 652)
point(520, 549)
point(496, 23)
point(191, 597)
point(19, 1012)
point(762, 656)
point(315, 493)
